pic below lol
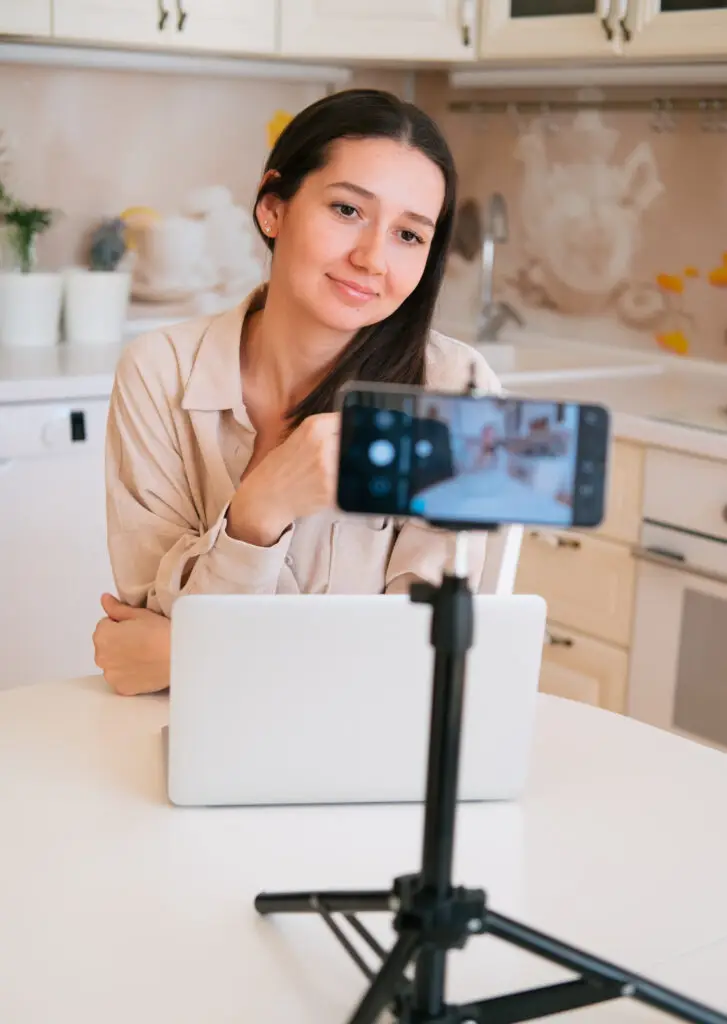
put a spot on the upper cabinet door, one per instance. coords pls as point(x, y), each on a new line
point(25, 17)
point(224, 26)
point(142, 22)
point(677, 28)
point(380, 29)
point(534, 29)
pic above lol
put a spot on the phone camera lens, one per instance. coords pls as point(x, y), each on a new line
point(423, 449)
point(384, 419)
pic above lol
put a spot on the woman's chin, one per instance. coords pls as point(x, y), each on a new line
point(345, 320)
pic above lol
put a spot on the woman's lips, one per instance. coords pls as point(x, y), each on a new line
point(352, 293)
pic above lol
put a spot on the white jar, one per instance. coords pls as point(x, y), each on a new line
point(30, 309)
point(96, 305)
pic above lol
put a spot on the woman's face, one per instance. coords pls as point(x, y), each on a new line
point(352, 244)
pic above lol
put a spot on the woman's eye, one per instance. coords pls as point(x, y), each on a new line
point(411, 237)
point(346, 210)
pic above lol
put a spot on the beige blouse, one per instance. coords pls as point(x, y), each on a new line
point(178, 440)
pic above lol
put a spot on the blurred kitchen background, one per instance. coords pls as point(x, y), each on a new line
point(589, 263)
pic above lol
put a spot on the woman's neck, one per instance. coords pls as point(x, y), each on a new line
point(285, 356)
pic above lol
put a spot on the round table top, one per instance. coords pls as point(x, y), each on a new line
point(116, 906)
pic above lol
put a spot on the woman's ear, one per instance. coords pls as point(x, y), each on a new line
point(268, 212)
point(268, 208)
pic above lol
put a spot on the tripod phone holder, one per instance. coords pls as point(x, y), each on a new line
point(431, 916)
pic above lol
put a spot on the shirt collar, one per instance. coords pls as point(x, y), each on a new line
point(215, 383)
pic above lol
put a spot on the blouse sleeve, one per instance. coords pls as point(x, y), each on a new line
point(157, 547)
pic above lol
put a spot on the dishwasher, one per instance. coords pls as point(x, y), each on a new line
point(678, 663)
point(54, 564)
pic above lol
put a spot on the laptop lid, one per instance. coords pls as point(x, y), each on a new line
point(326, 699)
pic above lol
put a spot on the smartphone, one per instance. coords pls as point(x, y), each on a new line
point(469, 461)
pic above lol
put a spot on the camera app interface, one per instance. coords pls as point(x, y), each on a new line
point(458, 459)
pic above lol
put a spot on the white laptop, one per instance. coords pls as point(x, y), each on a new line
point(326, 699)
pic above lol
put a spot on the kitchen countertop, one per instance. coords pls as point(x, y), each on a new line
point(684, 410)
point(61, 373)
point(654, 399)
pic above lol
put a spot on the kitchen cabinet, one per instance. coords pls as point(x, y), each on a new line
point(582, 668)
point(224, 26)
point(25, 17)
point(380, 29)
point(679, 636)
point(221, 26)
point(543, 29)
point(120, 22)
point(676, 28)
point(588, 582)
point(53, 552)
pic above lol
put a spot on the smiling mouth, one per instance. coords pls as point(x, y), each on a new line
point(353, 289)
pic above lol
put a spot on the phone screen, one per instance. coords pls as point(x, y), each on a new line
point(459, 460)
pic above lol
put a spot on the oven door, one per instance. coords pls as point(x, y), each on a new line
point(678, 663)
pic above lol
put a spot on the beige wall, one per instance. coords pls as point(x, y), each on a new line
point(618, 230)
point(91, 143)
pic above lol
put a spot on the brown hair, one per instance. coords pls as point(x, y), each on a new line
point(392, 350)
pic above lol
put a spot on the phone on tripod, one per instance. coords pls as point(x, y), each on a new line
point(463, 461)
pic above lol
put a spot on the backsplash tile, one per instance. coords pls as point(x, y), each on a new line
point(91, 143)
point(617, 223)
point(185, 150)
point(617, 219)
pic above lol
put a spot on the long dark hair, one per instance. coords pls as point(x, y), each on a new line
point(392, 350)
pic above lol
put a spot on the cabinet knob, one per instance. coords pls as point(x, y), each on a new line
point(622, 15)
point(181, 16)
point(466, 21)
point(557, 641)
point(556, 542)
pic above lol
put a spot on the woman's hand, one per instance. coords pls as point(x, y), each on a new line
point(133, 648)
point(295, 479)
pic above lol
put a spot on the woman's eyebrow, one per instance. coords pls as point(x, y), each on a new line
point(365, 194)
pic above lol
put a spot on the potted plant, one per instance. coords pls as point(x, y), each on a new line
point(30, 301)
point(97, 296)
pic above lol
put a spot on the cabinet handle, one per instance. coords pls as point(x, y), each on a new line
point(467, 21)
point(163, 15)
point(558, 641)
point(675, 560)
point(181, 16)
point(604, 13)
point(622, 14)
point(556, 542)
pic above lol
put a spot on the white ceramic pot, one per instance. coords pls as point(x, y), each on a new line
point(30, 309)
point(96, 304)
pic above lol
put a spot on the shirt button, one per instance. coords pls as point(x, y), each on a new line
point(289, 561)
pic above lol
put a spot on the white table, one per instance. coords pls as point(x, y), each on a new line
point(117, 907)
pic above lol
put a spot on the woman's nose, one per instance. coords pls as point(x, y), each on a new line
point(370, 252)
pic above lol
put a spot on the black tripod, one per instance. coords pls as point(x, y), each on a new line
point(432, 917)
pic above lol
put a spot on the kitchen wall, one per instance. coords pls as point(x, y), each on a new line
point(617, 218)
point(93, 143)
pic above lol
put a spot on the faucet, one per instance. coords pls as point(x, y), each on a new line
point(494, 315)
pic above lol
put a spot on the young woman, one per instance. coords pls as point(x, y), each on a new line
point(221, 443)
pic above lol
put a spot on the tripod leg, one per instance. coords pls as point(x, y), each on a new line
point(429, 982)
point(335, 902)
point(382, 992)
